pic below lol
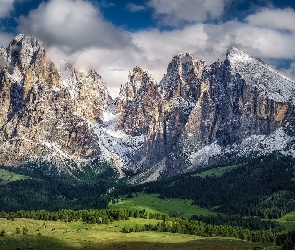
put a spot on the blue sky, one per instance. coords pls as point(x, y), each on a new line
point(114, 36)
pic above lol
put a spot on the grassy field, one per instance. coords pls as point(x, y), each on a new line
point(288, 221)
point(216, 171)
point(152, 204)
point(8, 176)
point(49, 235)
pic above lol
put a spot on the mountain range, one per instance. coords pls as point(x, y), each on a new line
point(196, 115)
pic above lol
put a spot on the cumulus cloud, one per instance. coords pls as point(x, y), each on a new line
point(160, 46)
point(289, 72)
point(274, 18)
point(134, 7)
point(112, 65)
point(173, 13)
point(211, 41)
point(73, 24)
point(5, 38)
point(5, 7)
point(75, 31)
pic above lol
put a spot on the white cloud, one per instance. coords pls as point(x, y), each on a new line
point(289, 72)
point(274, 18)
point(73, 24)
point(5, 38)
point(76, 31)
point(210, 42)
point(106, 4)
point(175, 12)
point(134, 7)
point(159, 47)
point(112, 65)
point(268, 43)
point(5, 7)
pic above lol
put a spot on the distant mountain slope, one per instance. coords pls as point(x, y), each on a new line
point(261, 187)
point(197, 112)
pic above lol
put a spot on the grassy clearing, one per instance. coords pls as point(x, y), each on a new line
point(288, 221)
point(8, 176)
point(105, 237)
point(216, 171)
point(152, 204)
point(288, 217)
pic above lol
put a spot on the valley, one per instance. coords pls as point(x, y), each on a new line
point(204, 159)
point(145, 206)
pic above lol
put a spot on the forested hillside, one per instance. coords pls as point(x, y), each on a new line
point(50, 190)
point(262, 186)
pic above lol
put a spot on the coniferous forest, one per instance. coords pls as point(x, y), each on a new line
point(246, 198)
point(263, 186)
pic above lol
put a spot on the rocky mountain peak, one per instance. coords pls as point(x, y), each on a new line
point(138, 82)
point(42, 117)
point(233, 51)
point(136, 102)
point(183, 74)
point(268, 82)
point(197, 112)
point(130, 89)
point(24, 51)
point(88, 92)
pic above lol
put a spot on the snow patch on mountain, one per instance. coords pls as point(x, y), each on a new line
point(150, 174)
point(270, 83)
point(115, 145)
point(202, 156)
point(258, 144)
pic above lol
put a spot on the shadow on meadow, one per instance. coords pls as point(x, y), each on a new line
point(191, 245)
point(48, 243)
point(30, 242)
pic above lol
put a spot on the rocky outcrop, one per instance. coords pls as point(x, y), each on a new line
point(42, 117)
point(197, 112)
point(208, 110)
point(138, 103)
point(240, 98)
point(88, 93)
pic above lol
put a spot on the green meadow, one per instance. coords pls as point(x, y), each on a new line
point(219, 171)
point(152, 204)
point(8, 176)
point(288, 221)
point(56, 235)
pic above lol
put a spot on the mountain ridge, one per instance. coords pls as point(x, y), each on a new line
point(196, 112)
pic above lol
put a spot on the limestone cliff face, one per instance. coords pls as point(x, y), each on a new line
point(240, 98)
point(138, 103)
point(88, 93)
point(237, 105)
point(42, 117)
point(195, 113)
point(160, 111)
point(22, 65)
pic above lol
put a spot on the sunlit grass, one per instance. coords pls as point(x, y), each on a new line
point(50, 235)
point(152, 204)
point(8, 176)
point(288, 220)
point(216, 171)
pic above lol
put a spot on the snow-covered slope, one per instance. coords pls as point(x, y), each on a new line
point(270, 83)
